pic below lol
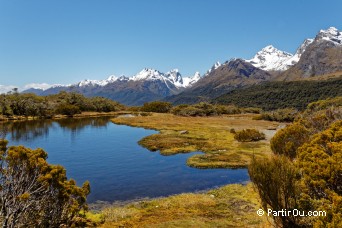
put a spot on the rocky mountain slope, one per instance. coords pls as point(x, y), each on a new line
point(322, 56)
point(233, 74)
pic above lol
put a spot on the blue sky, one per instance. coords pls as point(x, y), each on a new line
point(66, 41)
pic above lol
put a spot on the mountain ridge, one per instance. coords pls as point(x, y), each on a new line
point(313, 57)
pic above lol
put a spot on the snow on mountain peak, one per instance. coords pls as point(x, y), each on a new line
point(175, 77)
point(147, 74)
point(189, 81)
point(123, 78)
point(88, 82)
point(111, 78)
point(270, 58)
point(331, 34)
point(269, 49)
point(214, 67)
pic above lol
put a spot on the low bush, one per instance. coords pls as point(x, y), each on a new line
point(252, 110)
point(204, 109)
point(248, 135)
point(280, 115)
point(286, 141)
point(156, 106)
point(68, 109)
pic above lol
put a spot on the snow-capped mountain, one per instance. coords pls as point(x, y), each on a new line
point(173, 76)
point(295, 58)
point(319, 56)
point(331, 34)
point(190, 81)
point(147, 85)
point(214, 67)
point(270, 58)
point(147, 74)
point(88, 82)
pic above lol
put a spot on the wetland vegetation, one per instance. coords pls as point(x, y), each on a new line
point(210, 135)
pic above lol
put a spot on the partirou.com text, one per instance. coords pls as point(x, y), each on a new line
point(292, 212)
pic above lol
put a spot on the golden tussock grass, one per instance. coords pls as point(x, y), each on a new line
point(229, 206)
point(210, 135)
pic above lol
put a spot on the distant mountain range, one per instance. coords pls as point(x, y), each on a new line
point(147, 85)
point(318, 56)
point(314, 57)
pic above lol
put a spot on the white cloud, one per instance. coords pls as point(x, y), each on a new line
point(5, 89)
point(42, 86)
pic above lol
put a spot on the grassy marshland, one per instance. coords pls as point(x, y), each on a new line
point(229, 206)
point(210, 135)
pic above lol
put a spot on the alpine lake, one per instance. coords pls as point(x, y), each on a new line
point(109, 156)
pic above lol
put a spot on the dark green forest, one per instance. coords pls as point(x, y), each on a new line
point(279, 95)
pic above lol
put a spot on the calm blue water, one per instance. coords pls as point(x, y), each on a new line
point(109, 156)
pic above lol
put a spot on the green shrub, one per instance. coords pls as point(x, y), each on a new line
point(248, 135)
point(67, 109)
point(280, 115)
point(156, 106)
point(188, 111)
point(35, 193)
point(286, 141)
point(204, 109)
point(276, 182)
point(227, 109)
point(252, 110)
point(319, 161)
point(306, 172)
point(323, 104)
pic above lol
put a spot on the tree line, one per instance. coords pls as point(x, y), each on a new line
point(64, 103)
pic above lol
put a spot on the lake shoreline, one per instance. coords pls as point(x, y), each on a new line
point(57, 117)
point(232, 205)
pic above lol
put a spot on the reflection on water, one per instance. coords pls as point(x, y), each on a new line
point(26, 130)
point(109, 156)
point(30, 130)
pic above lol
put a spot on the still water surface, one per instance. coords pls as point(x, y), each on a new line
point(109, 156)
